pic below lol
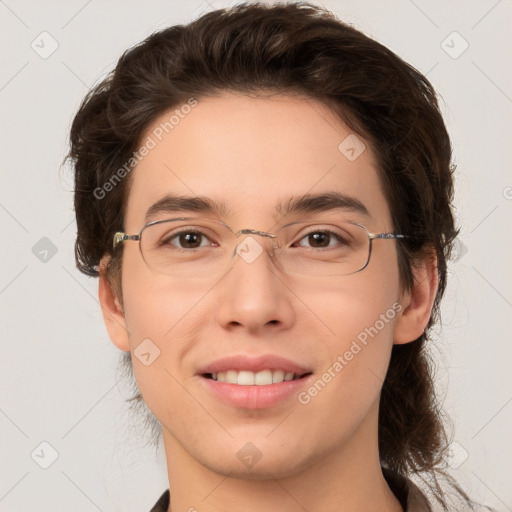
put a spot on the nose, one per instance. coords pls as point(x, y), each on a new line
point(255, 296)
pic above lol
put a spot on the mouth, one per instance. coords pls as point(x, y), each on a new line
point(255, 382)
point(262, 378)
point(261, 390)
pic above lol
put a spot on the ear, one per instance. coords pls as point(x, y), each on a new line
point(113, 313)
point(417, 303)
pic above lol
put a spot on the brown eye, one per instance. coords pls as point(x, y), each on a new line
point(322, 239)
point(319, 239)
point(186, 240)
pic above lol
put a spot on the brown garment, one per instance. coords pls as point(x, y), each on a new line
point(408, 494)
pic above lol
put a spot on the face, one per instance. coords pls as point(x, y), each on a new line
point(252, 154)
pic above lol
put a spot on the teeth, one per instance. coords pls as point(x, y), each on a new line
point(246, 378)
point(277, 376)
point(263, 378)
point(231, 376)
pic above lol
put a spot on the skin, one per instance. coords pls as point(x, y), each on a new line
point(319, 456)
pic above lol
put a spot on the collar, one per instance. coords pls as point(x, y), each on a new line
point(407, 492)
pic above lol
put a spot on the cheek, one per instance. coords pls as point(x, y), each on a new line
point(354, 323)
point(170, 316)
point(355, 359)
point(165, 318)
point(156, 306)
point(356, 319)
point(350, 304)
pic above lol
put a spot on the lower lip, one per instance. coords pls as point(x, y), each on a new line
point(255, 397)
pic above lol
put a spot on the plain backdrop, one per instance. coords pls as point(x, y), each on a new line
point(58, 379)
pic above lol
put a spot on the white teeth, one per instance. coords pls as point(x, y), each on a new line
point(277, 376)
point(231, 376)
point(246, 378)
point(263, 378)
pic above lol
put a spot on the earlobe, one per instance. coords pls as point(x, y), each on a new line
point(113, 313)
point(417, 303)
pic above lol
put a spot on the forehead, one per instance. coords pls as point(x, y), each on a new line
point(252, 154)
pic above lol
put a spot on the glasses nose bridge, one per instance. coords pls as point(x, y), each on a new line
point(254, 232)
point(257, 232)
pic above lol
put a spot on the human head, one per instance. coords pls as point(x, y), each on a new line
point(295, 49)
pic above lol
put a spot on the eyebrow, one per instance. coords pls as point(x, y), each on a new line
point(304, 204)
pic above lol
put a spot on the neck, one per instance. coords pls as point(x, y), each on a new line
point(348, 478)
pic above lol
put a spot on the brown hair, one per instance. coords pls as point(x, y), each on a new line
point(300, 49)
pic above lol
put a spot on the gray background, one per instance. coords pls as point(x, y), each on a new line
point(58, 367)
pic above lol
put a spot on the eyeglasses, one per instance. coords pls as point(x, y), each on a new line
point(190, 248)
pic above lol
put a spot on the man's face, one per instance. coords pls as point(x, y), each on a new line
point(252, 154)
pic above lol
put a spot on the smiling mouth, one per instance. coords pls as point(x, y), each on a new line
point(248, 378)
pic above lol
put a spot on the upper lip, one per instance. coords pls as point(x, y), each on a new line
point(254, 364)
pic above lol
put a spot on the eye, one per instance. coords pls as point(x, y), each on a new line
point(187, 239)
point(322, 238)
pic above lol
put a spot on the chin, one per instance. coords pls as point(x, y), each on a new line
point(249, 463)
point(259, 471)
